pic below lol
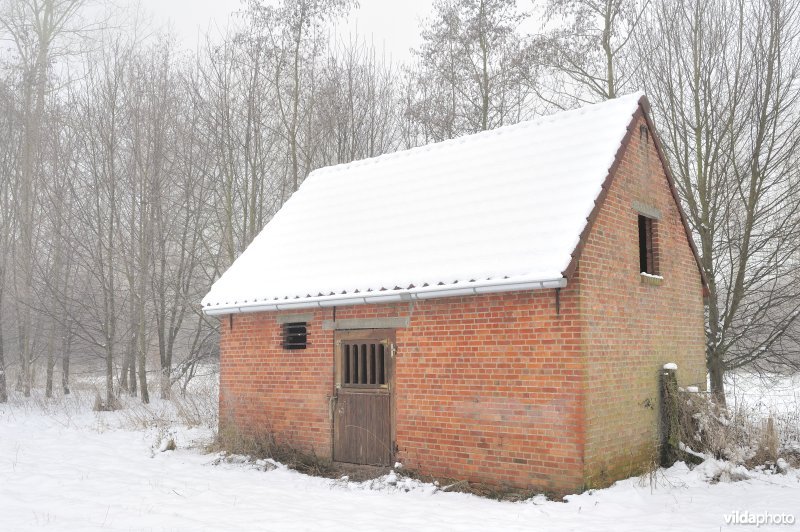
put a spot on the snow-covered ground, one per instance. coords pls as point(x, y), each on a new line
point(65, 467)
point(767, 395)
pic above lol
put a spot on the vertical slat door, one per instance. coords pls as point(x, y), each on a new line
point(362, 421)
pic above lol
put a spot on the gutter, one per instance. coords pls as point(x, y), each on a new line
point(391, 296)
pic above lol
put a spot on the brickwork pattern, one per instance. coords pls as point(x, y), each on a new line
point(501, 388)
point(486, 388)
point(635, 324)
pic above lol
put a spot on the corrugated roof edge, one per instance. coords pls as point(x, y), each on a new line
point(642, 111)
point(469, 288)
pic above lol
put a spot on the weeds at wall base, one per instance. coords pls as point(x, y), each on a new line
point(263, 446)
point(488, 491)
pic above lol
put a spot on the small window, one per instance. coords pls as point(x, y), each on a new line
point(364, 364)
point(295, 335)
point(647, 256)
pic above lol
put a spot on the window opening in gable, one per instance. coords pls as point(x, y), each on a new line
point(647, 263)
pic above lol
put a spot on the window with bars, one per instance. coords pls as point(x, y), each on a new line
point(295, 335)
point(364, 364)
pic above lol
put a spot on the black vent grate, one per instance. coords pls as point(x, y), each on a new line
point(295, 335)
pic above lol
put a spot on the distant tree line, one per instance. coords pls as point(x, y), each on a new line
point(133, 172)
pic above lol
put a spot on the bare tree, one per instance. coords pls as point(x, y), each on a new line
point(152, 109)
point(357, 101)
point(473, 70)
point(180, 223)
point(242, 130)
point(34, 27)
point(99, 106)
point(55, 262)
point(724, 77)
point(9, 153)
point(295, 38)
point(589, 51)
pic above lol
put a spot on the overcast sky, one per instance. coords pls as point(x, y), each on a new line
point(392, 25)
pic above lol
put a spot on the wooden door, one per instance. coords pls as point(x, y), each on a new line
point(362, 419)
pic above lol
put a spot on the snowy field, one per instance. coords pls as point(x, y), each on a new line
point(64, 467)
point(763, 394)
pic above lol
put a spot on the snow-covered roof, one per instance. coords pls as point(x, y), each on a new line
point(497, 210)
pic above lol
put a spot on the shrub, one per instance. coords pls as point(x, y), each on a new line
point(739, 435)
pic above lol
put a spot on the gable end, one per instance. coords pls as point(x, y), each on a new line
point(642, 112)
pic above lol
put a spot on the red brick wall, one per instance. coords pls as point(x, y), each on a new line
point(499, 388)
point(265, 388)
point(487, 388)
point(634, 326)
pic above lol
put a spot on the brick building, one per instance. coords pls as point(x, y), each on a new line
point(493, 308)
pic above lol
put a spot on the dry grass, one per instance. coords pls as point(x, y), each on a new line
point(488, 491)
point(263, 445)
point(104, 405)
point(739, 434)
point(197, 407)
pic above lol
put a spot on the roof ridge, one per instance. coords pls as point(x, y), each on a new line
point(470, 137)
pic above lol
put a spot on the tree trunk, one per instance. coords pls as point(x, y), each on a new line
point(608, 28)
point(51, 364)
point(166, 385)
point(143, 378)
point(145, 395)
point(51, 360)
point(716, 372)
point(65, 353)
point(3, 385)
point(24, 380)
point(110, 400)
point(3, 388)
point(484, 70)
point(128, 372)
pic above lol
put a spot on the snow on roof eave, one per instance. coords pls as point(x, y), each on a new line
point(391, 296)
